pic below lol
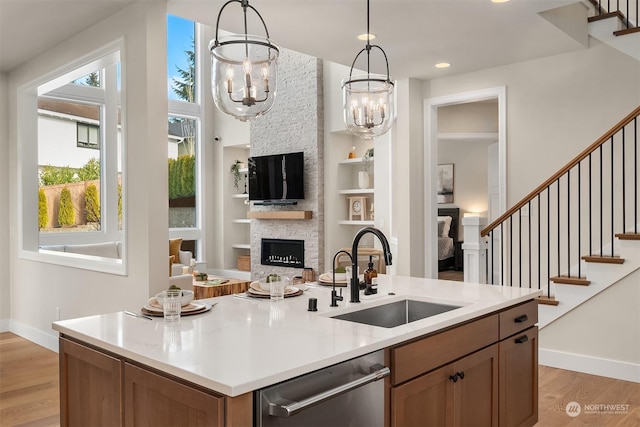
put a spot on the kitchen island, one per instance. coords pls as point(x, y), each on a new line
point(242, 345)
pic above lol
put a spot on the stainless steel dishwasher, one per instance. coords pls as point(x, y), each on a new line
point(347, 394)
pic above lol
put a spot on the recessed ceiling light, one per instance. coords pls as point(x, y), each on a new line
point(363, 37)
point(499, 1)
point(443, 65)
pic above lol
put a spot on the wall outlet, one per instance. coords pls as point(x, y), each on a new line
point(57, 313)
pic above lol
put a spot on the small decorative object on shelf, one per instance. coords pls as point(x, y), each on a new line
point(357, 208)
point(200, 277)
point(352, 153)
point(235, 172)
point(308, 274)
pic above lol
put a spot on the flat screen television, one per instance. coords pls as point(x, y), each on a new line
point(276, 178)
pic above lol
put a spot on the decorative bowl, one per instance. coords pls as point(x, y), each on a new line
point(340, 277)
point(266, 285)
point(186, 297)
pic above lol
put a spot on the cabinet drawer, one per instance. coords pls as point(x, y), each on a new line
point(518, 318)
point(418, 357)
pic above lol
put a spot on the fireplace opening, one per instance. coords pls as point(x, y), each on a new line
point(282, 252)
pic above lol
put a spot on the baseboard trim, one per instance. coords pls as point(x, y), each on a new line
point(590, 365)
point(5, 325)
point(49, 341)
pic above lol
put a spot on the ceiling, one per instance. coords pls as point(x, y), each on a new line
point(415, 34)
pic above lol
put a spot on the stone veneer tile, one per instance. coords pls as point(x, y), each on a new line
point(295, 123)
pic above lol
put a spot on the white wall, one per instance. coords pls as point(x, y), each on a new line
point(38, 288)
point(5, 253)
point(556, 107)
point(407, 199)
point(472, 117)
point(605, 327)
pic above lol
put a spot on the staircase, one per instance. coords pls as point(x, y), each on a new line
point(577, 233)
point(616, 24)
point(613, 22)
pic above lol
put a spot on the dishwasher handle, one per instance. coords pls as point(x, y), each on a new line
point(295, 407)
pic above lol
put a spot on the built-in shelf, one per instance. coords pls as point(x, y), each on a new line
point(480, 136)
point(241, 246)
point(357, 191)
point(240, 196)
point(242, 221)
point(355, 161)
point(355, 222)
point(280, 214)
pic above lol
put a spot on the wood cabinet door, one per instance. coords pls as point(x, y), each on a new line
point(424, 401)
point(476, 390)
point(154, 400)
point(519, 379)
point(90, 387)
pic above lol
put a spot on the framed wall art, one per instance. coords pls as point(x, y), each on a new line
point(445, 183)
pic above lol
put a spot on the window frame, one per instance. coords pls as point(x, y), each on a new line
point(87, 127)
point(30, 239)
point(194, 111)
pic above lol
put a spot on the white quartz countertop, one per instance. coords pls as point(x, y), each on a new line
point(243, 345)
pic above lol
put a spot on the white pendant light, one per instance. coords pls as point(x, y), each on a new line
point(368, 99)
point(243, 70)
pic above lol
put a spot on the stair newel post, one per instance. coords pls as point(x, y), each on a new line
point(474, 249)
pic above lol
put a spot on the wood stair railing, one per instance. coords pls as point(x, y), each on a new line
point(582, 209)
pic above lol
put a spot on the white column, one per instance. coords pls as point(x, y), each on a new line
point(474, 249)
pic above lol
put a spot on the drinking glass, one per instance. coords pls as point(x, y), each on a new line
point(171, 305)
point(277, 287)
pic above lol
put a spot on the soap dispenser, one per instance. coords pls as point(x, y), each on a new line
point(370, 272)
point(371, 278)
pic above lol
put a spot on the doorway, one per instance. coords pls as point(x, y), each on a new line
point(432, 135)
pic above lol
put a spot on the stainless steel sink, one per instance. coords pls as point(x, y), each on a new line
point(396, 313)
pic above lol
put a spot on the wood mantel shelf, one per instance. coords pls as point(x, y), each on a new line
point(280, 214)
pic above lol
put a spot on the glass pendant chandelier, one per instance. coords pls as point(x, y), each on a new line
point(243, 70)
point(368, 99)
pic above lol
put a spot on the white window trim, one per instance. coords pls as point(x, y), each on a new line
point(194, 111)
point(29, 238)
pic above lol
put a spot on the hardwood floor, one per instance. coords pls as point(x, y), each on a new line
point(558, 387)
point(29, 391)
point(29, 383)
point(454, 275)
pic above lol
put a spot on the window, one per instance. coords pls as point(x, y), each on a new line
point(184, 124)
point(72, 196)
point(88, 135)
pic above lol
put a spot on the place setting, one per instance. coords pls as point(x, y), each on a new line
point(342, 278)
point(274, 287)
point(172, 304)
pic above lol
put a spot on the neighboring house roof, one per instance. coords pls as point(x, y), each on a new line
point(87, 111)
point(177, 130)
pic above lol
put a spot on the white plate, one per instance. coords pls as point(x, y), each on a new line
point(327, 278)
point(152, 305)
point(255, 289)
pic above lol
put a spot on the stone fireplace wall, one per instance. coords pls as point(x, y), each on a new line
point(295, 123)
